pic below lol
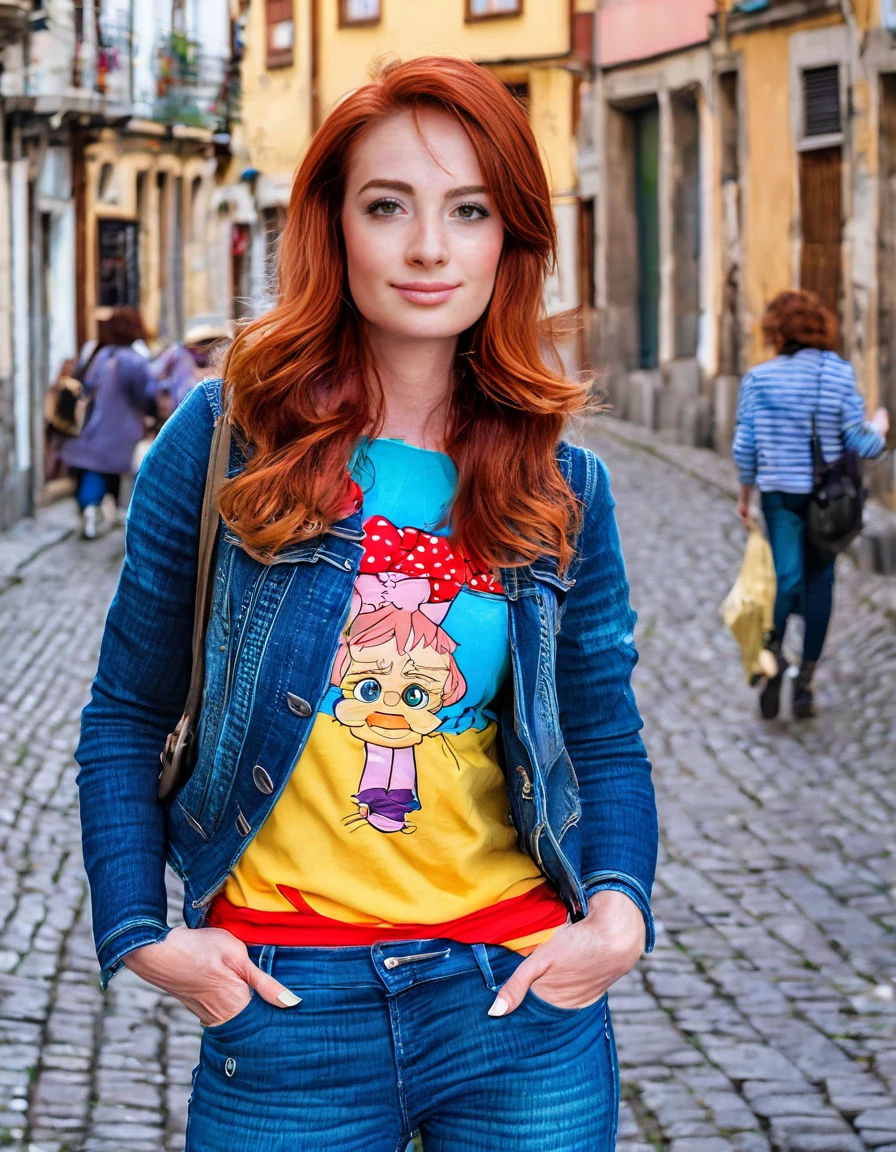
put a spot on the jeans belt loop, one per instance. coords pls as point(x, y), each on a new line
point(480, 951)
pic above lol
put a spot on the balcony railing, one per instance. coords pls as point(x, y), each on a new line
point(193, 87)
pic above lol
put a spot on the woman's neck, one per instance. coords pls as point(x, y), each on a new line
point(417, 378)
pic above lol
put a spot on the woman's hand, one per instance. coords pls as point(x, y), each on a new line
point(209, 971)
point(881, 421)
point(580, 961)
point(744, 495)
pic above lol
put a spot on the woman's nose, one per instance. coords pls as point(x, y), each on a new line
point(428, 247)
point(391, 699)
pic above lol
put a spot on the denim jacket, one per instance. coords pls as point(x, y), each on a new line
point(578, 777)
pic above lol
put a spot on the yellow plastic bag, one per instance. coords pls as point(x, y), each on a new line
point(748, 609)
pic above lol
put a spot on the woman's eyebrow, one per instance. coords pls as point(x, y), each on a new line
point(401, 186)
point(393, 185)
point(466, 190)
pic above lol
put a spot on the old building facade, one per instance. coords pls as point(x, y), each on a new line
point(770, 127)
point(114, 134)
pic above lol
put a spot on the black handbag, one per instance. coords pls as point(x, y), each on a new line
point(838, 496)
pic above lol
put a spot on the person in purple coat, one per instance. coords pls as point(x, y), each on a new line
point(117, 388)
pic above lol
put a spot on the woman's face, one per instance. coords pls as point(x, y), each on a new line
point(422, 234)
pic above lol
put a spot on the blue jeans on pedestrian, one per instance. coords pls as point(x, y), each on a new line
point(395, 1038)
point(805, 575)
point(93, 486)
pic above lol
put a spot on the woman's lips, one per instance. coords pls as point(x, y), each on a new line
point(421, 292)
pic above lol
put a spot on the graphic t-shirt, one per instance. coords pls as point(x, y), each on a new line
point(395, 823)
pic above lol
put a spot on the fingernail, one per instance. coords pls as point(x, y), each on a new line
point(498, 1008)
point(289, 999)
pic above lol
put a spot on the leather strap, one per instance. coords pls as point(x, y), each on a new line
point(218, 459)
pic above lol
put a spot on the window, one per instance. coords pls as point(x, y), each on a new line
point(520, 93)
point(821, 101)
point(484, 9)
point(358, 13)
point(118, 273)
point(280, 33)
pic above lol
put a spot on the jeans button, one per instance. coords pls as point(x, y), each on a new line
point(297, 705)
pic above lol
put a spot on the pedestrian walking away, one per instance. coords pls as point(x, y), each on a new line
point(806, 388)
point(414, 815)
point(180, 367)
point(115, 386)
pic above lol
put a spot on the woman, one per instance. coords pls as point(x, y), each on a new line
point(419, 841)
point(116, 385)
point(772, 449)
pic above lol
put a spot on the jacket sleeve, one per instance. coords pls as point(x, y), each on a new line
point(744, 447)
point(140, 689)
point(599, 716)
point(858, 434)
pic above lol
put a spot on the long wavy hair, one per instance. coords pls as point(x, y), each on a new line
point(301, 381)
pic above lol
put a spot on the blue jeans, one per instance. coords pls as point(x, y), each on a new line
point(93, 486)
point(805, 576)
point(377, 1049)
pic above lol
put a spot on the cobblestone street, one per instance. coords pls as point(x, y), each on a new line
point(765, 1019)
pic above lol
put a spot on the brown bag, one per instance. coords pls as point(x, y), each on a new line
point(181, 748)
point(65, 407)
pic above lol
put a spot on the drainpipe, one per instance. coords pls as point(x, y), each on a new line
point(38, 361)
point(19, 231)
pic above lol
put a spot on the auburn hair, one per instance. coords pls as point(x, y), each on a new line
point(797, 319)
point(301, 382)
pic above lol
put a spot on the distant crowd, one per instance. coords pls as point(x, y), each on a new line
point(108, 404)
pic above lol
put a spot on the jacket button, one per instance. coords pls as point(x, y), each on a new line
point(263, 782)
point(297, 705)
point(242, 824)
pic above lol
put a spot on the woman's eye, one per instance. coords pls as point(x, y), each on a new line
point(471, 211)
point(384, 208)
point(415, 697)
point(367, 690)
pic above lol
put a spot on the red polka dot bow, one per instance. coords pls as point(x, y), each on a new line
point(421, 555)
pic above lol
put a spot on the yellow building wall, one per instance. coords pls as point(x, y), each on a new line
point(421, 27)
point(276, 104)
point(551, 110)
point(771, 183)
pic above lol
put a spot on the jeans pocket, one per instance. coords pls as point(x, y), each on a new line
point(217, 1030)
point(555, 1011)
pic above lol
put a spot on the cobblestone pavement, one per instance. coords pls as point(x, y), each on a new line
point(765, 1019)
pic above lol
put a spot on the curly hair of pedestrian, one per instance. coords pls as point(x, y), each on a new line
point(301, 379)
point(797, 319)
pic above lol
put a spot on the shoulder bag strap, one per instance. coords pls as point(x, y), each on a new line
point(218, 458)
point(818, 461)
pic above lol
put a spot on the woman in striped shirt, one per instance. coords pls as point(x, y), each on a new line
point(772, 450)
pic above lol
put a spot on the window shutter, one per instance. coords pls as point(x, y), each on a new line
point(821, 101)
point(280, 33)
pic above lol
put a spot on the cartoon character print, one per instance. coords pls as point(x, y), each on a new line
point(396, 666)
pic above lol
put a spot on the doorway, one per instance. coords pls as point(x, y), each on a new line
point(821, 217)
point(646, 123)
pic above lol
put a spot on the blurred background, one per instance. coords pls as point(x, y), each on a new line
point(703, 156)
